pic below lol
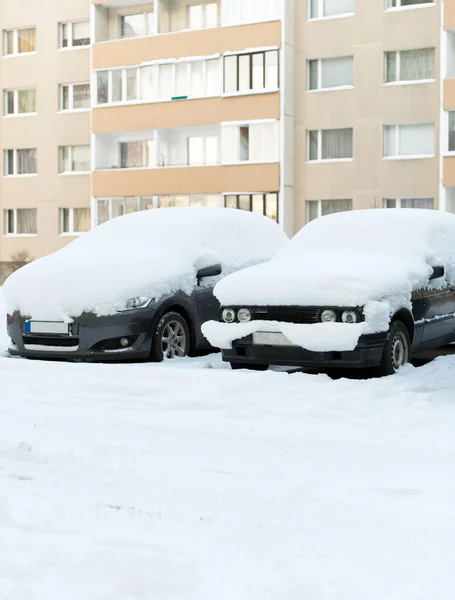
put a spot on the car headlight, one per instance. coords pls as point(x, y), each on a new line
point(350, 316)
point(328, 316)
point(138, 302)
point(244, 315)
point(228, 315)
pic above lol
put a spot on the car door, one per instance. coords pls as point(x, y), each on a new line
point(439, 317)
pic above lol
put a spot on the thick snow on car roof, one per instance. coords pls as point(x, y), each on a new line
point(149, 253)
point(348, 259)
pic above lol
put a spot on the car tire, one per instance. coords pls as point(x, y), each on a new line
point(236, 366)
point(397, 349)
point(171, 339)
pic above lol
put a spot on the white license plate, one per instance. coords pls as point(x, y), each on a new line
point(263, 338)
point(46, 327)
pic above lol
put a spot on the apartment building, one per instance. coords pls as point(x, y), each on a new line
point(290, 108)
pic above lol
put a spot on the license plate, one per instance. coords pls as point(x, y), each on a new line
point(262, 338)
point(46, 327)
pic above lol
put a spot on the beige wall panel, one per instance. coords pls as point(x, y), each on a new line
point(449, 94)
point(449, 15)
point(185, 113)
point(189, 180)
point(449, 171)
point(411, 29)
point(188, 43)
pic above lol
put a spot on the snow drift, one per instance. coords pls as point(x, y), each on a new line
point(149, 253)
point(371, 258)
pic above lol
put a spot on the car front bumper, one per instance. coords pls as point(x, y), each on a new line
point(368, 353)
point(90, 338)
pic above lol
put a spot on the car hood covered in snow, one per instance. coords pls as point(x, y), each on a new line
point(150, 253)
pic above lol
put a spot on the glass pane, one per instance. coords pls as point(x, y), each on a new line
point(133, 25)
point(212, 200)
point(166, 83)
point(9, 159)
point(334, 206)
point(451, 131)
point(81, 219)
point(26, 40)
point(390, 140)
point(117, 85)
point(256, 149)
point(336, 143)
point(390, 203)
point(230, 74)
point(197, 200)
point(131, 155)
point(230, 201)
point(195, 151)
point(81, 158)
point(337, 72)
point(26, 221)
point(102, 211)
point(211, 150)
point(81, 96)
point(181, 200)
point(338, 7)
point(81, 34)
point(102, 87)
point(26, 101)
point(118, 207)
point(417, 64)
point(197, 78)
point(244, 202)
point(26, 161)
point(313, 74)
point(416, 139)
point(64, 32)
point(258, 203)
point(131, 205)
point(9, 42)
point(10, 221)
point(65, 98)
point(212, 77)
point(9, 102)
point(181, 79)
point(151, 153)
point(146, 203)
point(270, 141)
point(426, 203)
point(150, 23)
point(148, 81)
point(229, 144)
point(314, 144)
point(271, 206)
point(195, 17)
point(211, 15)
point(258, 71)
point(165, 201)
point(271, 70)
point(244, 143)
point(244, 72)
point(131, 84)
point(64, 158)
point(313, 210)
point(391, 67)
point(65, 220)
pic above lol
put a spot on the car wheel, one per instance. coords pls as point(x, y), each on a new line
point(171, 338)
point(397, 349)
point(236, 366)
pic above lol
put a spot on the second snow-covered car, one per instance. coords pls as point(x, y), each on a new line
point(359, 289)
point(136, 287)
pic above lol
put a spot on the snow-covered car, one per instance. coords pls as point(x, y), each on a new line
point(136, 287)
point(358, 289)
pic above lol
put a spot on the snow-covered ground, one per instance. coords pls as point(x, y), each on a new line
point(187, 481)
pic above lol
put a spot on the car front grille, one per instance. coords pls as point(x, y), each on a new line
point(286, 314)
point(55, 341)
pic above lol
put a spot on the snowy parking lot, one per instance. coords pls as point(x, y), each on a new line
point(188, 481)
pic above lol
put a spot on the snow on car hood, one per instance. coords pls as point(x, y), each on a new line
point(150, 253)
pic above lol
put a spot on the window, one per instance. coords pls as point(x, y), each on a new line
point(20, 161)
point(137, 24)
point(19, 41)
point(255, 71)
point(74, 220)
point(264, 204)
point(73, 35)
point(416, 139)
point(20, 102)
point(202, 150)
point(20, 221)
point(252, 142)
point(330, 144)
point(75, 96)
point(202, 16)
point(402, 3)
point(320, 208)
point(319, 9)
point(409, 203)
point(451, 131)
point(410, 65)
point(330, 73)
point(74, 159)
point(139, 154)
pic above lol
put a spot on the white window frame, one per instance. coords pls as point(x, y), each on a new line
point(398, 201)
point(321, 13)
point(319, 205)
point(250, 91)
point(16, 112)
point(328, 89)
point(408, 7)
point(70, 35)
point(399, 156)
point(71, 231)
point(15, 173)
point(144, 13)
point(203, 3)
point(14, 233)
point(70, 158)
point(16, 42)
point(319, 159)
point(144, 153)
point(399, 81)
point(70, 87)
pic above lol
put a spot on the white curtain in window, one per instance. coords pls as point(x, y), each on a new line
point(338, 7)
point(230, 74)
point(26, 40)
point(133, 25)
point(131, 84)
point(258, 71)
point(256, 142)
point(26, 161)
point(334, 206)
point(149, 82)
point(81, 34)
point(81, 219)
point(391, 67)
point(337, 72)
point(197, 79)
point(427, 203)
point(211, 15)
point(416, 139)
point(211, 150)
point(181, 79)
point(270, 141)
point(81, 96)
point(117, 85)
point(229, 151)
point(241, 12)
point(166, 87)
point(417, 64)
point(213, 77)
point(27, 101)
point(195, 150)
point(195, 16)
point(244, 72)
point(336, 143)
point(271, 69)
point(81, 158)
point(26, 220)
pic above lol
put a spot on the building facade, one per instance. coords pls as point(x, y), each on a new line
point(290, 108)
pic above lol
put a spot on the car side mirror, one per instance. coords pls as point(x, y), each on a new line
point(212, 271)
point(437, 273)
